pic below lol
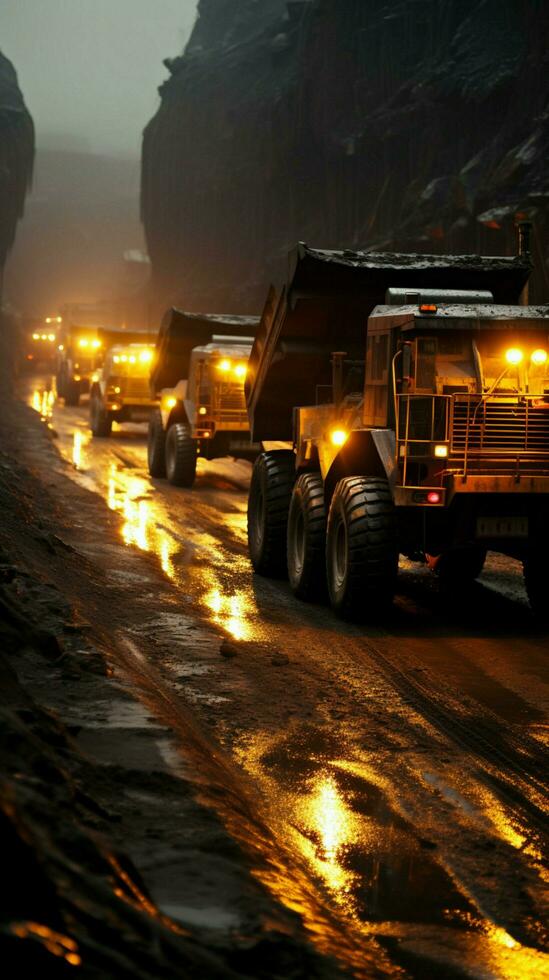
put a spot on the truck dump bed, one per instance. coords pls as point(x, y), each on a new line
point(109, 336)
point(181, 332)
point(324, 306)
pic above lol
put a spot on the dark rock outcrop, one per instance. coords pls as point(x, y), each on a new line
point(16, 155)
point(418, 125)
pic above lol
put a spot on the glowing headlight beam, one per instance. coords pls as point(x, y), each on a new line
point(338, 437)
point(514, 356)
point(539, 357)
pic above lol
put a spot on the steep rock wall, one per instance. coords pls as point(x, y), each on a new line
point(410, 124)
point(16, 155)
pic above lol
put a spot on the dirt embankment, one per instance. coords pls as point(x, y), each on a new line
point(111, 863)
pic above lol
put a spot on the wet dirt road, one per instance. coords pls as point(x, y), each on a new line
point(398, 772)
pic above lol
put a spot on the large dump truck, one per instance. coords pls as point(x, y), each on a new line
point(198, 377)
point(120, 390)
point(412, 392)
point(39, 339)
point(81, 354)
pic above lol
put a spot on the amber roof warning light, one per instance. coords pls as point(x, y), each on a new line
point(428, 308)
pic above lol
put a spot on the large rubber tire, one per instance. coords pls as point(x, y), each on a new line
point(273, 477)
point(306, 538)
point(460, 567)
point(156, 446)
point(180, 455)
point(535, 580)
point(361, 548)
point(100, 419)
point(72, 394)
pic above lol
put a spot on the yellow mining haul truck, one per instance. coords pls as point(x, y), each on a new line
point(120, 389)
point(40, 342)
point(82, 352)
point(426, 434)
point(198, 377)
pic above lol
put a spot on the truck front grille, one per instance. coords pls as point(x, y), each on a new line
point(503, 427)
point(135, 388)
point(230, 405)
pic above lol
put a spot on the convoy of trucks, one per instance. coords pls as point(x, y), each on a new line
point(82, 352)
point(394, 404)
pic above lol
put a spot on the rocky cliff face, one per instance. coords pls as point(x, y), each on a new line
point(16, 155)
point(417, 125)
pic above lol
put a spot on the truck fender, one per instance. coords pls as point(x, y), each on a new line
point(177, 414)
point(367, 452)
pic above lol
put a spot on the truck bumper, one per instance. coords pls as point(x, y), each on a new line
point(492, 483)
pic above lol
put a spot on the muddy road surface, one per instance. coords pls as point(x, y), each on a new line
point(390, 781)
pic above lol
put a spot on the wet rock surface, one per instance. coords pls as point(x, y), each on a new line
point(16, 155)
point(110, 863)
point(388, 125)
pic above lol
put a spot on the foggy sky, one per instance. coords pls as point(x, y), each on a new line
point(89, 69)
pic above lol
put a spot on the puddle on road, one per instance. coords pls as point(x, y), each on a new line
point(371, 862)
point(377, 872)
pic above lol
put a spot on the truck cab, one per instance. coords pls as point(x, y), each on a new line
point(451, 433)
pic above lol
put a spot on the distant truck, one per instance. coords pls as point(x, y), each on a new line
point(426, 434)
point(39, 342)
point(120, 390)
point(81, 354)
point(198, 378)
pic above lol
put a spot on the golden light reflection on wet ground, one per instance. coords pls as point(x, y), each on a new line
point(80, 440)
point(328, 828)
point(42, 401)
point(231, 611)
point(505, 825)
point(145, 527)
point(129, 495)
point(372, 866)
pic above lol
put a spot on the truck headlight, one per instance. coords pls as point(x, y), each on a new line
point(338, 437)
point(539, 357)
point(514, 355)
point(441, 451)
